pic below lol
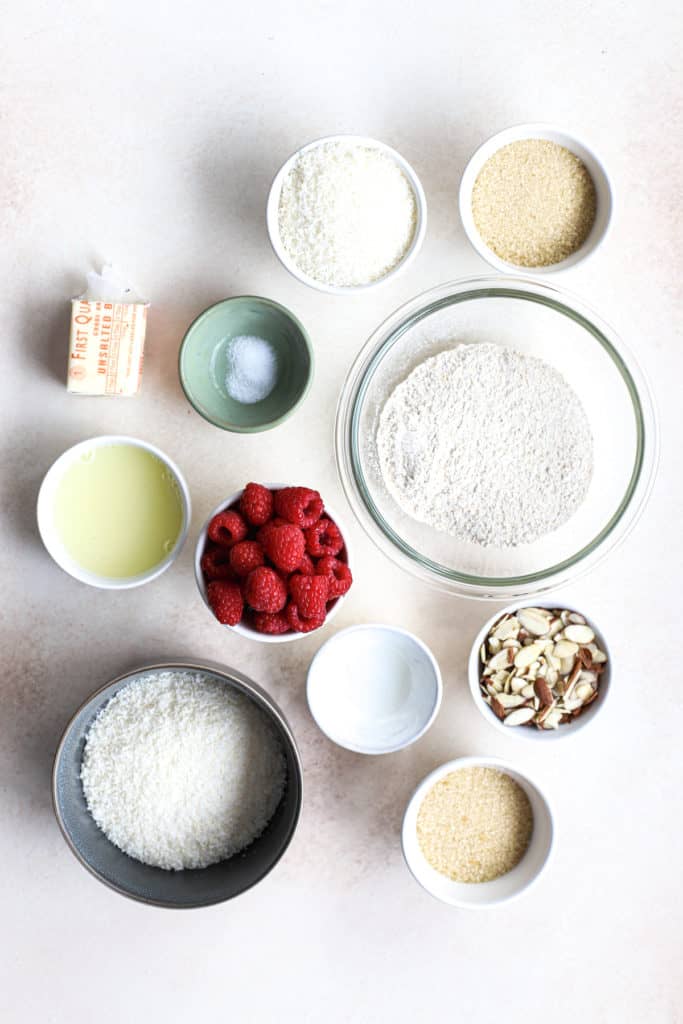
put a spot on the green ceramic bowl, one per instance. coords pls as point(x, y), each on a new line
point(202, 363)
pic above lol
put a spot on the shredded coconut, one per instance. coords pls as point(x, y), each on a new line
point(181, 771)
point(487, 445)
point(347, 213)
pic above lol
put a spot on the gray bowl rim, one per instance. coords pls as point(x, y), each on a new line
point(232, 676)
point(268, 424)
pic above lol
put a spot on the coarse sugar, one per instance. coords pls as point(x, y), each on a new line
point(475, 824)
point(534, 203)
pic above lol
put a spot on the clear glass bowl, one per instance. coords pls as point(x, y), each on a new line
point(535, 319)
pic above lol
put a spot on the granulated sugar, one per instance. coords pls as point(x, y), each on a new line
point(181, 771)
point(487, 445)
point(347, 213)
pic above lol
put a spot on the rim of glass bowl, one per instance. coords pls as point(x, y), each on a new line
point(358, 381)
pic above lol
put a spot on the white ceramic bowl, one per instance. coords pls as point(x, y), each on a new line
point(571, 142)
point(374, 689)
point(480, 896)
point(272, 208)
point(53, 542)
point(524, 732)
point(241, 628)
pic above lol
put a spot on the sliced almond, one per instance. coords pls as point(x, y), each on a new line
point(527, 655)
point(553, 719)
point(498, 661)
point(511, 643)
point(566, 665)
point(582, 692)
point(482, 654)
point(506, 628)
point(528, 690)
point(520, 716)
point(534, 620)
point(510, 700)
point(518, 685)
point(498, 708)
point(494, 645)
point(555, 627)
point(565, 649)
point(575, 617)
point(543, 692)
point(579, 634)
point(551, 676)
point(599, 658)
point(585, 657)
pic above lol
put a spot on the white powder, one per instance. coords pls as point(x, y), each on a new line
point(181, 771)
point(347, 214)
point(251, 369)
point(487, 445)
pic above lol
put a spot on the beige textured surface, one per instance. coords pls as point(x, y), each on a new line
point(150, 139)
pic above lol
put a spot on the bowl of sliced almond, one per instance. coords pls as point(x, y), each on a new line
point(540, 672)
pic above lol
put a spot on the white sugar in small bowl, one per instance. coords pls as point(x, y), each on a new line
point(525, 732)
point(242, 628)
point(577, 146)
point(374, 689)
point(481, 895)
point(273, 205)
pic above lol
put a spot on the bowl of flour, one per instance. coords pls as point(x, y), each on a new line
point(496, 438)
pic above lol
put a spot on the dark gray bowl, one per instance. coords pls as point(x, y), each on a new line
point(191, 888)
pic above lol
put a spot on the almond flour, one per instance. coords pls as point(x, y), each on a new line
point(534, 203)
point(475, 825)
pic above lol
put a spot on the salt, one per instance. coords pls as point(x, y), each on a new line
point(251, 373)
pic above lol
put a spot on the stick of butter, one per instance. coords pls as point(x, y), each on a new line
point(107, 339)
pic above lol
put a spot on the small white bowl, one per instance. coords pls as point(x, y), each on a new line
point(374, 689)
point(575, 145)
point(524, 732)
point(52, 540)
point(243, 630)
point(273, 204)
point(483, 895)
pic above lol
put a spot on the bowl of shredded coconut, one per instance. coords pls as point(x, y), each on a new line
point(496, 438)
point(346, 213)
point(178, 784)
point(245, 364)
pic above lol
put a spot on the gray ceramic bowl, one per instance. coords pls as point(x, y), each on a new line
point(176, 889)
point(202, 362)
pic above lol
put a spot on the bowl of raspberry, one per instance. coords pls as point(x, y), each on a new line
point(272, 562)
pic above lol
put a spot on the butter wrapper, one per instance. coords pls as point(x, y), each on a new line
point(107, 339)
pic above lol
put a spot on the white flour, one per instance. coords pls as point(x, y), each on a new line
point(487, 445)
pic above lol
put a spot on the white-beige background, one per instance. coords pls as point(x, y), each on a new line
point(148, 134)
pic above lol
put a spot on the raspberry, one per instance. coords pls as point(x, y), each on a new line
point(298, 505)
point(267, 527)
point(309, 594)
point(338, 575)
point(214, 563)
point(297, 623)
point(256, 504)
point(285, 547)
point(264, 591)
point(306, 568)
point(324, 538)
point(226, 601)
point(227, 528)
point(265, 622)
point(245, 556)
